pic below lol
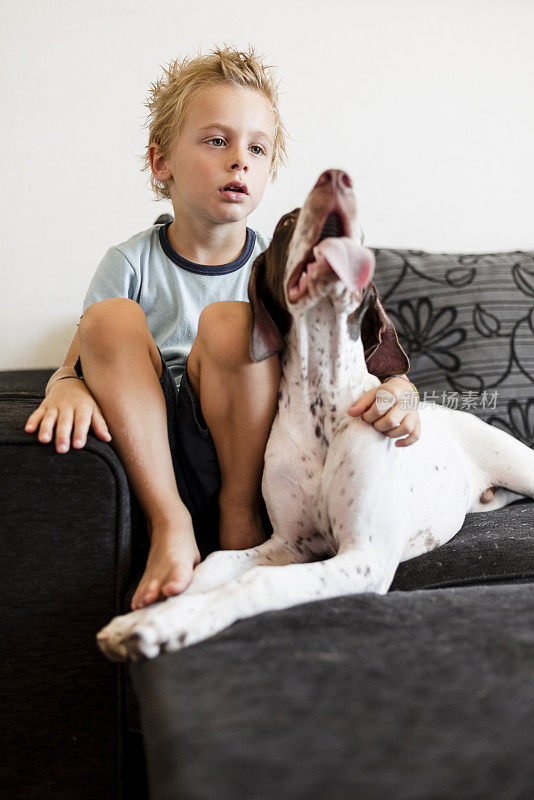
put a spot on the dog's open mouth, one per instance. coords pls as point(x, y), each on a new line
point(334, 256)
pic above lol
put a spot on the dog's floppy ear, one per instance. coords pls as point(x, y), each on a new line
point(383, 354)
point(265, 336)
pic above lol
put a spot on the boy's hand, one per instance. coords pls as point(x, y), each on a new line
point(393, 413)
point(69, 404)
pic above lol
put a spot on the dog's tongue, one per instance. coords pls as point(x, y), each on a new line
point(351, 262)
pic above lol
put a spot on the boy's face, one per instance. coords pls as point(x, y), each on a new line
point(227, 136)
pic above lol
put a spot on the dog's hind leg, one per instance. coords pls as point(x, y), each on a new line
point(503, 466)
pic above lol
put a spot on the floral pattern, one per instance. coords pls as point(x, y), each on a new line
point(520, 421)
point(424, 330)
point(466, 322)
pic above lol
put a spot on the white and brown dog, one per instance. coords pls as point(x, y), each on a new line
point(346, 505)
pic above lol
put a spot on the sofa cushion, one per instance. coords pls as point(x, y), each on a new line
point(467, 325)
point(417, 695)
point(492, 546)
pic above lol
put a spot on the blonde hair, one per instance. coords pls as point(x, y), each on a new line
point(169, 96)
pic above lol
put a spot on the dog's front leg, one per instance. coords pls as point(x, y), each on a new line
point(226, 565)
point(122, 637)
point(258, 590)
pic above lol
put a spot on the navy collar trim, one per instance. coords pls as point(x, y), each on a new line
point(207, 269)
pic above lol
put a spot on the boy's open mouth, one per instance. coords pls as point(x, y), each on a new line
point(236, 188)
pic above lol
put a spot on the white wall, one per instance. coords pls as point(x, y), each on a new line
point(427, 103)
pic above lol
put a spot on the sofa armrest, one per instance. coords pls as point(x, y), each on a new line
point(66, 546)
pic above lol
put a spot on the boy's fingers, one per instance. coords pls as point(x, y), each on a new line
point(384, 402)
point(82, 421)
point(392, 421)
point(413, 437)
point(33, 420)
point(63, 430)
point(100, 426)
point(47, 425)
point(402, 429)
point(363, 403)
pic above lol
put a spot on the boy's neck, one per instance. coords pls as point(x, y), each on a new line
point(219, 244)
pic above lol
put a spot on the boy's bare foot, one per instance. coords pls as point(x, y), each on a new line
point(169, 570)
point(240, 527)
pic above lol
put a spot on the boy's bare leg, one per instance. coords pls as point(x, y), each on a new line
point(239, 400)
point(122, 367)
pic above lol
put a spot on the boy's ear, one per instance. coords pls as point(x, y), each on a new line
point(158, 162)
point(265, 336)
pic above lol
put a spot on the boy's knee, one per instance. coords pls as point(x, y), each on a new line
point(224, 332)
point(107, 316)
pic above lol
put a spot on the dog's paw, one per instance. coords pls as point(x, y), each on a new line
point(161, 628)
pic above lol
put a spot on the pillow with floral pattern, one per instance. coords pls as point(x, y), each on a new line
point(467, 324)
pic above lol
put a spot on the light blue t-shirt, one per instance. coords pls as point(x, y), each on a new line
point(171, 290)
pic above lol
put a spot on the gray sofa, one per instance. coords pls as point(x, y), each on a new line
point(425, 692)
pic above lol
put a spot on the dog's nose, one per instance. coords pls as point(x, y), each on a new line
point(336, 177)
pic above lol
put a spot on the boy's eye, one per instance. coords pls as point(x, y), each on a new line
point(218, 141)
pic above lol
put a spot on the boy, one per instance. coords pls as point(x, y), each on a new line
point(163, 344)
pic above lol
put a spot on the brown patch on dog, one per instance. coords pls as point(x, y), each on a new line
point(488, 495)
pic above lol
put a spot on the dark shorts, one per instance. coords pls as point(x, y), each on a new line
point(194, 458)
point(193, 452)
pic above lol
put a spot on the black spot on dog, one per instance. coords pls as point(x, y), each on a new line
point(182, 638)
point(317, 431)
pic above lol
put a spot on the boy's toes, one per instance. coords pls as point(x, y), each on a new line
point(178, 581)
point(145, 594)
point(151, 593)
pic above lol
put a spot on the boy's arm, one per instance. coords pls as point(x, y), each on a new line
point(67, 369)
